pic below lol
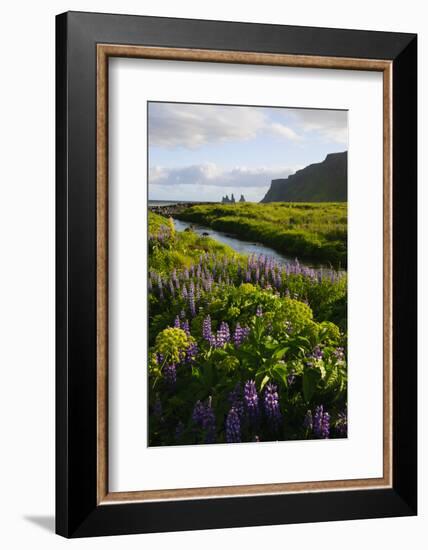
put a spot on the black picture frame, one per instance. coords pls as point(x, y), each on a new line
point(77, 511)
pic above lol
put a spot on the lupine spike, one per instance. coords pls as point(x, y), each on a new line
point(271, 405)
point(251, 399)
point(233, 427)
point(321, 423)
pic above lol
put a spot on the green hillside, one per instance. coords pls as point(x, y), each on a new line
point(322, 182)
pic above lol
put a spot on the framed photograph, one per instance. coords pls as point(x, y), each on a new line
point(236, 274)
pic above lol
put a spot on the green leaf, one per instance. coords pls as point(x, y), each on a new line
point(280, 352)
point(303, 341)
point(332, 377)
point(196, 373)
point(270, 343)
point(264, 382)
point(280, 371)
point(311, 377)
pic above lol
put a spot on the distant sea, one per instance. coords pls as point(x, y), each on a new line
point(171, 203)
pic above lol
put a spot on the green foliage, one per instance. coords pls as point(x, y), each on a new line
point(172, 344)
point(177, 250)
point(295, 338)
point(316, 231)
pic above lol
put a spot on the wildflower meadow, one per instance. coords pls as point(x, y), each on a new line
point(241, 348)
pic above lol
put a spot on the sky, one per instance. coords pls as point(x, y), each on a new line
point(203, 152)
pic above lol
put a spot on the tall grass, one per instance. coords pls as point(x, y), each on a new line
point(312, 231)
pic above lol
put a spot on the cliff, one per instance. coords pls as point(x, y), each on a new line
point(325, 181)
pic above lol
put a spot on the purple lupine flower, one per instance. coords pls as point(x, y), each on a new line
point(184, 293)
point(342, 423)
point(191, 352)
point(321, 423)
point(203, 416)
point(177, 323)
point(210, 281)
point(308, 421)
point(234, 396)
point(170, 374)
point(240, 334)
point(160, 287)
point(271, 404)
point(171, 288)
point(339, 353)
point(185, 326)
point(251, 399)
point(198, 412)
point(233, 427)
point(206, 329)
point(223, 334)
point(192, 299)
point(291, 378)
point(317, 353)
point(235, 399)
point(259, 311)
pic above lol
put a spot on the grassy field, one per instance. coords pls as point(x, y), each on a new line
point(178, 250)
point(311, 231)
point(241, 348)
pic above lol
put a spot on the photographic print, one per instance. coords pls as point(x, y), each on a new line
point(205, 314)
point(247, 273)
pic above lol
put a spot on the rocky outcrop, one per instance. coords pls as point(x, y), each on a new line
point(226, 200)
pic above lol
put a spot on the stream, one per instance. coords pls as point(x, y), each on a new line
point(250, 247)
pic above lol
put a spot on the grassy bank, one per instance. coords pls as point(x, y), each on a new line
point(311, 231)
point(169, 250)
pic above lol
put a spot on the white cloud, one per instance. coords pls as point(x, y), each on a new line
point(284, 131)
point(211, 175)
point(192, 126)
point(330, 125)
